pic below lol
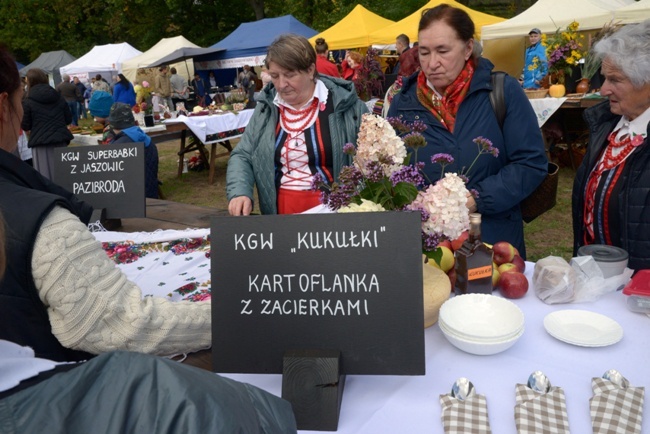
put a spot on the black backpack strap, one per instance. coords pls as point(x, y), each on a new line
point(497, 96)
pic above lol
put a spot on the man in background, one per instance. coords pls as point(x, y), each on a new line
point(81, 108)
point(180, 90)
point(71, 94)
point(409, 60)
point(535, 64)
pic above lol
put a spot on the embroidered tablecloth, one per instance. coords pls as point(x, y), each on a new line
point(545, 107)
point(168, 263)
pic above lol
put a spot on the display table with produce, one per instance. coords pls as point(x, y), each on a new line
point(570, 343)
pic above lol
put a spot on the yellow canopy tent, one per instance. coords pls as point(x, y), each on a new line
point(353, 30)
point(409, 25)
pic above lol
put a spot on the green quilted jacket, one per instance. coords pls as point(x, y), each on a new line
point(252, 161)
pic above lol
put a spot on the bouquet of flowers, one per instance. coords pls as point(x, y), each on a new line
point(381, 179)
point(563, 50)
point(142, 91)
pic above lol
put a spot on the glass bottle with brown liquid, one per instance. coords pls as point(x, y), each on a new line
point(474, 262)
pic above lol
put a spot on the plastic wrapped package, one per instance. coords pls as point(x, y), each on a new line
point(554, 280)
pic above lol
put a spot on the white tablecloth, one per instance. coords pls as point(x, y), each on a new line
point(91, 139)
point(203, 126)
point(409, 404)
point(545, 107)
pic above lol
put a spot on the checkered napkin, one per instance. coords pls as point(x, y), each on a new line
point(540, 413)
point(615, 409)
point(469, 416)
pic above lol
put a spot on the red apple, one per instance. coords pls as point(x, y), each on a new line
point(513, 284)
point(445, 243)
point(452, 278)
point(458, 242)
point(508, 267)
point(520, 263)
point(503, 252)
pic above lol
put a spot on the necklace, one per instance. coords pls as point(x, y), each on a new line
point(307, 114)
point(625, 146)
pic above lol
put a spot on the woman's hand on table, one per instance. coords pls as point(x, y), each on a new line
point(240, 205)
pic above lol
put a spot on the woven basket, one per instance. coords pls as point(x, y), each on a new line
point(543, 198)
point(536, 93)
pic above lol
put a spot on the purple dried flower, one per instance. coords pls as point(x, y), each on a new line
point(474, 193)
point(351, 174)
point(317, 182)
point(349, 149)
point(430, 241)
point(442, 159)
point(398, 124)
point(374, 171)
point(410, 174)
point(418, 126)
point(414, 140)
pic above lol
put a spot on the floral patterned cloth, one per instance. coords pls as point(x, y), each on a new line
point(167, 263)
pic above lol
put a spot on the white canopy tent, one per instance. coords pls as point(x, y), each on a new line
point(634, 13)
point(504, 43)
point(151, 57)
point(102, 59)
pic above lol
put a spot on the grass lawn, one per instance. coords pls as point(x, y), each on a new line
point(549, 234)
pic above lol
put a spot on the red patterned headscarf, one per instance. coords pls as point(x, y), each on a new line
point(445, 108)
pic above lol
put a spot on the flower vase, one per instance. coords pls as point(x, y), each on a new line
point(583, 86)
point(436, 288)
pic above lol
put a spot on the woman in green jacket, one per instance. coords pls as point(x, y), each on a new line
point(300, 125)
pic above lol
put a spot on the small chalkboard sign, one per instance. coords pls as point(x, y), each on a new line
point(346, 282)
point(109, 177)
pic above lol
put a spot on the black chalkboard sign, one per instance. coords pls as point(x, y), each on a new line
point(109, 177)
point(348, 282)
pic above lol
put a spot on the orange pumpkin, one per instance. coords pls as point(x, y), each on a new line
point(557, 90)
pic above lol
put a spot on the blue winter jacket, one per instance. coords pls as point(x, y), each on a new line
point(124, 93)
point(502, 182)
point(533, 75)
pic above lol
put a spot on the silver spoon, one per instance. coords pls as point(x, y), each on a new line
point(615, 377)
point(462, 389)
point(539, 382)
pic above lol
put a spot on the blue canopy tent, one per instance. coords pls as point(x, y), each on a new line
point(247, 45)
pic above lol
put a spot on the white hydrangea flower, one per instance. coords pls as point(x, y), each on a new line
point(366, 206)
point(446, 203)
point(377, 141)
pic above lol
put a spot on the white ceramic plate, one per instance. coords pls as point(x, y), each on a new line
point(583, 328)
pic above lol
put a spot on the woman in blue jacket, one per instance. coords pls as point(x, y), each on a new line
point(123, 91)
point(451, 95)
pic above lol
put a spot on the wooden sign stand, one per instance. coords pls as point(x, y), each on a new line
point(313, 383)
